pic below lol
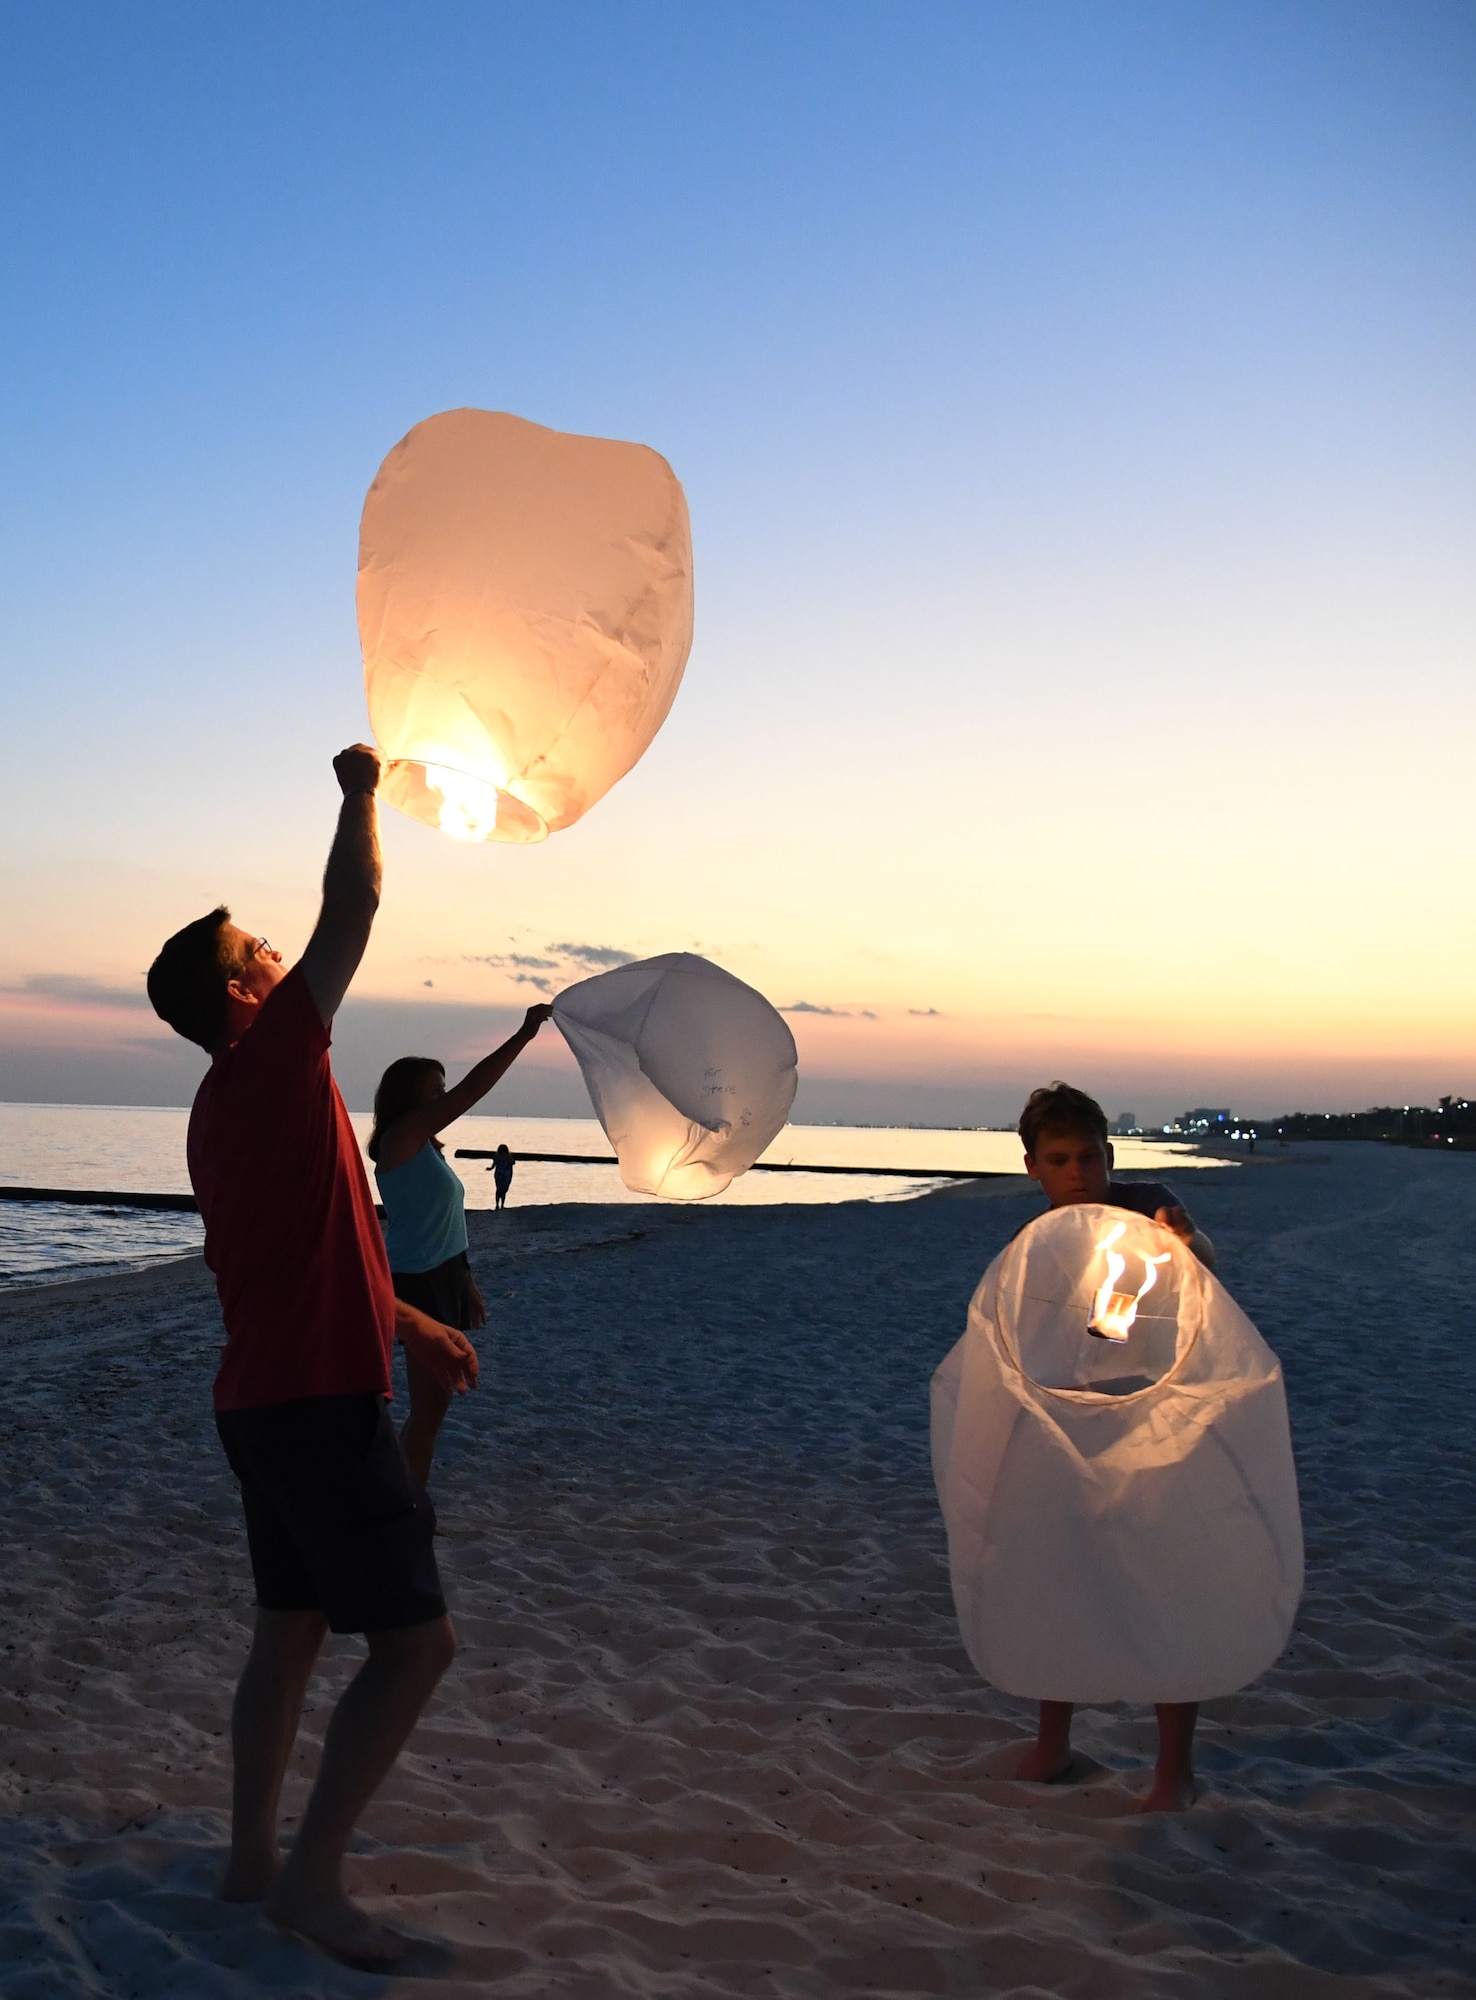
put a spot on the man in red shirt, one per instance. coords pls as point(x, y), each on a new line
point(339, 1533)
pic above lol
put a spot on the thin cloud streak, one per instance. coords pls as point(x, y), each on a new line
point(569, 961)
point(603, 955)
point(74, 989)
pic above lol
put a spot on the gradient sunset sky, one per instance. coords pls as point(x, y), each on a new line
point(1076, 409)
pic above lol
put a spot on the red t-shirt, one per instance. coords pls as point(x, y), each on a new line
point(290, 1228)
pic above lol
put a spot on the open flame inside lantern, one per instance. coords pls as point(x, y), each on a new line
point(1114, 1312)
point(468, 809)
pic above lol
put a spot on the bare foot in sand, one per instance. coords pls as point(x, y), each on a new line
point(327, 1919)
point(1170, 1791)
point(1049, 1756)
point(1040, 1764)
point(247, 1877)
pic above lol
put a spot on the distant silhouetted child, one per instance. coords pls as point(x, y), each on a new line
point(425, 1210)
point(502, 1173)
point(1067, 1150)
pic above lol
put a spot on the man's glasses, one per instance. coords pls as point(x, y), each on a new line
point(258, 950)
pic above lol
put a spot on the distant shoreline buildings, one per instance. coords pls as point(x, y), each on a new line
point(1450, 1124)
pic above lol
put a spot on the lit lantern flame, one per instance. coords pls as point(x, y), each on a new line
point(468, 809)
point(1114, 1312)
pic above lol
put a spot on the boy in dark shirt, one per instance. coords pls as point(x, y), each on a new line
point(1064, 1133)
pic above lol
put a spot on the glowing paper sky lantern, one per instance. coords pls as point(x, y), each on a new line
point(525, 611)
point(1112, 1456)
point(692, 1073)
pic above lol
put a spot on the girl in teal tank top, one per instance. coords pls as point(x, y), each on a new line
point(425, 1210)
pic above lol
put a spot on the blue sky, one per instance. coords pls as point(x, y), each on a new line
point(1076, 412)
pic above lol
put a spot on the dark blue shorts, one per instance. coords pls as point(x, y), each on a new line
point(334, 1521)
point(445, 1291)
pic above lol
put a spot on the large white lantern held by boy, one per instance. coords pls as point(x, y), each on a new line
point(1113, 1460)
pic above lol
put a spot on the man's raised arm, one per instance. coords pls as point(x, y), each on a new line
point(350, 884)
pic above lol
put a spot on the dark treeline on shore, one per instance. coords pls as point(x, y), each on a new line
point(1451, 1123)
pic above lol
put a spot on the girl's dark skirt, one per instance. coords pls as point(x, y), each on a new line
point(444, 1292)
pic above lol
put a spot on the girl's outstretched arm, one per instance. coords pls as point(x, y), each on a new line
point(398, 1142)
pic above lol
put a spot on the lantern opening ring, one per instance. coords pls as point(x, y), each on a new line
point(464, 805)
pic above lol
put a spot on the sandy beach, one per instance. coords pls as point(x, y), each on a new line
point(711, 1731)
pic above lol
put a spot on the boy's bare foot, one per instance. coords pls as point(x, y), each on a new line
point(1049, 1756)
point(1171, 1791)
point(327, 1919)
point(1040, 1764)
point(247, 1877)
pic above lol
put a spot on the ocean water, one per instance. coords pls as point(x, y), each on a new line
point(140, 1148)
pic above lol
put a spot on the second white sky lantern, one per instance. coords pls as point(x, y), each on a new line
point(1113, 1460)
point(525, 612)
point(691, 1071)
